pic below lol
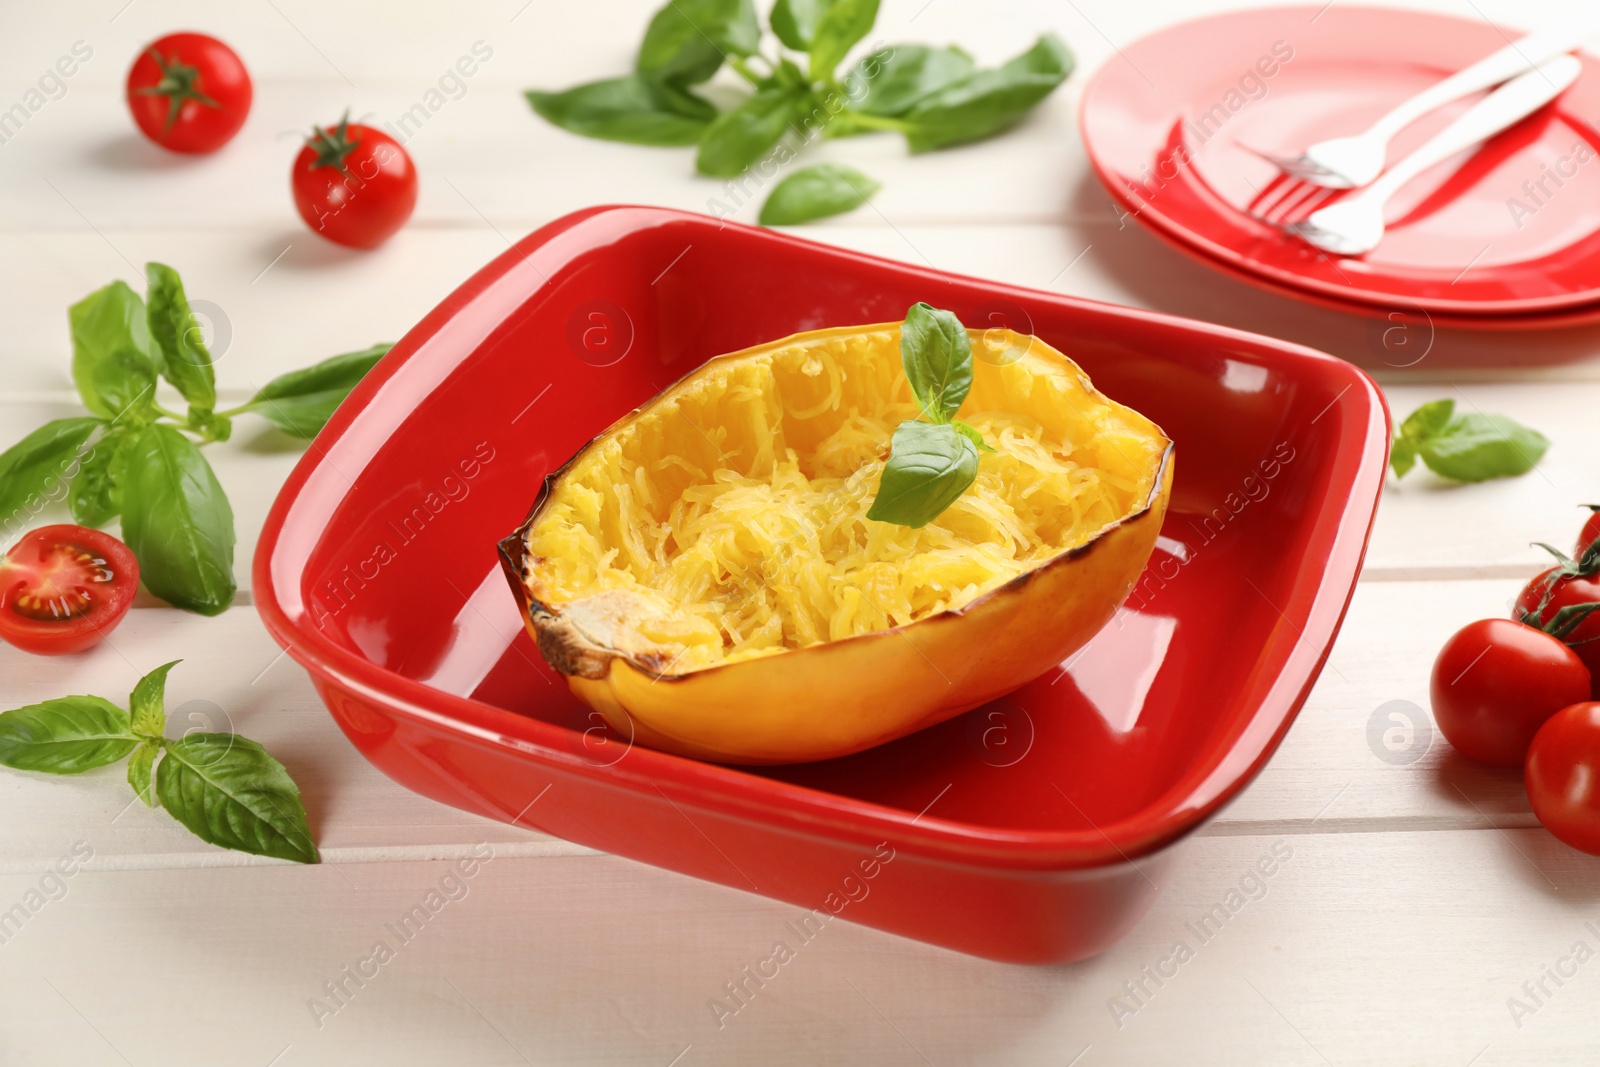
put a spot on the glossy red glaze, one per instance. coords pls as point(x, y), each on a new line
point(1176, 159)
point(1015, 828)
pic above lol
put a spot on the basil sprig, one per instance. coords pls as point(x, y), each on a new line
point(134, 458)
point(227, 790)
point(934, 97)
point(930, 463)
point(1468, 447)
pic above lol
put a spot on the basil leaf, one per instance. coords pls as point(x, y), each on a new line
point(1476, 447)
point(31, 469)
point(816, 192)
point(795, 21)
point(936, 353)
point(628, 109)
point(891, 81)
point(65, 736)
point(990, 100)
point(929, 467)
point(1428, 420)
point(176, 519)
point(140, 768)
point(687, 39)
point(743, 135)
point(229, 791)
point(146, 704)
point(112, 361)
point(93, 497)
point(184, 360)
point(1402, 456)
point(841, 25)
point(301, 401)
point(971, 433)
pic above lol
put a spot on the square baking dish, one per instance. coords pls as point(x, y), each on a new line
point(1028, 830)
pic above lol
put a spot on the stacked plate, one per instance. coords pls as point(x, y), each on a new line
point(1503, 238)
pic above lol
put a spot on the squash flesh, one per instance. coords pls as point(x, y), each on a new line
point(726, 520)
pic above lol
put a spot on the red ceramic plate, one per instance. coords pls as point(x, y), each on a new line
point(1011, 832)
point(1512, 230)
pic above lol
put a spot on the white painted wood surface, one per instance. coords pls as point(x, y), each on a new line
point(1417, 900)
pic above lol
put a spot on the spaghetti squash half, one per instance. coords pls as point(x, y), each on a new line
point(705, 576)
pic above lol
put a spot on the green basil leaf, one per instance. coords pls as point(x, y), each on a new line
point(1402, 456)
point(971, 433)
point(113, 364)
point(816, 192)
point(743, 135)
point(628, 109)
point(936, 353)
point(301, 401)
point(929, 466)
point(147, 702)
point(795, 21)
point(184, 359)
point(39, 467)
point(177, 520)
point(1428, 420)
point(1474, 447)
point(229, 791)
point(93, 496)
point(990, 100)
point(890, 81)
point(65, 736)
point(841, 24)
point(687, 40)
point(140, 768)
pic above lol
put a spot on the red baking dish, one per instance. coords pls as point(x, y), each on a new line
point(1033, 829)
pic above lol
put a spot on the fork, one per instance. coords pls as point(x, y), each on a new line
point(1352, 162)
point(1355, 225)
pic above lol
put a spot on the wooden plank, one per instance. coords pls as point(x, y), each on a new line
point(1384, 949)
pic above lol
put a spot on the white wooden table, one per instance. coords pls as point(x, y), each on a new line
point(1417, 898)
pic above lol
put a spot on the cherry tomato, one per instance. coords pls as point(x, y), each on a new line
point(63, 588)
point(1544, 597)
point(1563, 775)
point(1495, 683)
point(189, 93)
point(353, 184)
point(1590, 532)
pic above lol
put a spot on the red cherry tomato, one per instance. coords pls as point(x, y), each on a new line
point(189, 92)
point(1495, 683)
point(1544, 597)
point(63, 588)
point(1590, 532)
point(1563, 775)
point(353, 184)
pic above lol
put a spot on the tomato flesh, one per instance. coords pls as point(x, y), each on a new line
point(189, 93)
point(1495, 683)
point(64, 588)
point(1563, 776)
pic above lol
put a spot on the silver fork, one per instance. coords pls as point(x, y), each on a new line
point(1352, 162)
point(1355, 225)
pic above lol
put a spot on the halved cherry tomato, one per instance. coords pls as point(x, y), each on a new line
point(353, 184)
point(1495, 683)
point(1563, 775)
point(1590, 532)
point(64, 588)
point(189, 93)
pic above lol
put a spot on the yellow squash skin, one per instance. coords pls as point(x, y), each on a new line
point(842, 696)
